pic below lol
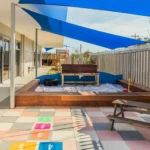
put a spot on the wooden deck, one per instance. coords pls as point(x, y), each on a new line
point(26, 96)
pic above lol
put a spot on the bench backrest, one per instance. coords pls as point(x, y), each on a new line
point(77, 68)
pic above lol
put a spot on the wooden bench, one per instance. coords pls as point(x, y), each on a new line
point(80, 70)
point(131, 106)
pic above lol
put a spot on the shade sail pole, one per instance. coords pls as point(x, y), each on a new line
point(36, 53)
point(13, 58)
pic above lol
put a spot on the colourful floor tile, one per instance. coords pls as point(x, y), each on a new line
point(42, 126)
point(124, 127)
point(131, 135)
point(62, 126)
point(15, 136)
point(144, 131)
point(26, 119)
point(5, 126)
point(77, 128)
point(21, 109)
point(81, 120)
point(101, 126)
point(138, 145)
point(44, 119)
point(83, 127)
point(89, 109)
point(8, 119)
point(40, 135)
point(130, 114)
point(5, 145)
point(109, 136)
point(46, 113)
point(51, 146)
point(89, 145)
point(107, 109)
point(63, 114)
point(23, 146)
point(63, 119)
point(107, 113)
point(62, 109)
point(22, 126)
point(86, 136)
point(31, 114)
point(115, 145)
point(95, 114)
point(62, 135)
point(12, 113)
point(47, 109)
point(99, 120)
point(69, 143)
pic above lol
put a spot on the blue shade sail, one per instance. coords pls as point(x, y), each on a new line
point(136, 7)
point(81, 33)
point(56, 12)
point(48, 49)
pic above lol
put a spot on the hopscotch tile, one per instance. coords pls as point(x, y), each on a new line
point(50, 146)
point(23, 146)
point(40, 135)
point(45, 119)
point(42, 126)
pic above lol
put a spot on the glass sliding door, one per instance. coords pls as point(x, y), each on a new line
point(6, 59)
point(1, 58)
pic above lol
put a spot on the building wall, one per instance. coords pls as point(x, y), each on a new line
point(28, 55)
point(5, 30)
point(26, 52)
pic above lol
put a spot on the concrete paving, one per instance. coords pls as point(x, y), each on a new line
point(19, 82)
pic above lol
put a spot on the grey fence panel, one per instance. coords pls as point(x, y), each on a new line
point(132, 64)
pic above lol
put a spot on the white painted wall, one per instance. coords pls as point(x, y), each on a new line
point(5, 30)
point(27, 52)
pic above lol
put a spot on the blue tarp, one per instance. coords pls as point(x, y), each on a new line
point(81, 33)
point(137, 7)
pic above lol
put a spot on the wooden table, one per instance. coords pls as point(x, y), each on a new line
point(131, 106)
point(81, 74)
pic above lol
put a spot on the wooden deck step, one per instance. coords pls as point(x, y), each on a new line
point(130, 121)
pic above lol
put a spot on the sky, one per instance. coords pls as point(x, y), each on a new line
point(110, 22)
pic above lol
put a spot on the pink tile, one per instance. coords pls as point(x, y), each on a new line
point(144, 131)
point(99, 119)
point(17, 110)
point(62, 119)
point(130, 114)
point(31, 114)
point(71, 143)
point(138, 145)
point(15, 136)
point(83, 127)
point(109, 136)
point(43, 126)
point(92, 109)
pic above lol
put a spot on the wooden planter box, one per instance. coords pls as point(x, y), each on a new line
point(77, 68)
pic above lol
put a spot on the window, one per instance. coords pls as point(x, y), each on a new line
point(18, 45)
